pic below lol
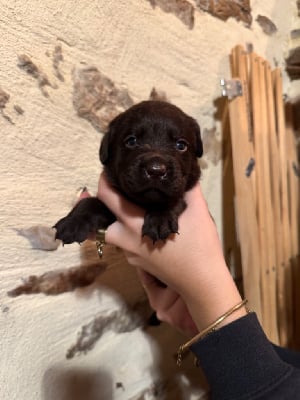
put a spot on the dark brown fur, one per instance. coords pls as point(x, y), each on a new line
point(150, 156)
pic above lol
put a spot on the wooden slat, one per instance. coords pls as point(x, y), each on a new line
point(276, 205)
point(242, 151)
point(243, 73)
point(231, 244)
point(268, 212)
point(264, 206)
point(286, 267)
point(293, 183)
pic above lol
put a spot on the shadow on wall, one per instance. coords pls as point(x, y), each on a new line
point(76, 384)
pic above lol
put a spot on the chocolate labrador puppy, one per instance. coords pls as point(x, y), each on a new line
point(150, 156)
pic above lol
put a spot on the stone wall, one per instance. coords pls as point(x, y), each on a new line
point(66, 68)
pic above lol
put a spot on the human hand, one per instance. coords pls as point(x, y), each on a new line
point(168, 305)
point(190, 263)
point(182, 255)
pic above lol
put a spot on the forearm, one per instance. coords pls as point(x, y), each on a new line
point(211, 295)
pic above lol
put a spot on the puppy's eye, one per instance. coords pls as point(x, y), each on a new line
point(181, 145)
point(130, 141)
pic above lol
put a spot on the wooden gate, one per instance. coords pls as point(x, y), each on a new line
point(266, 193)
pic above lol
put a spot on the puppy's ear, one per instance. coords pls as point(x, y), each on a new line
point(103, 152)
point(199, 145)
point(105, 147)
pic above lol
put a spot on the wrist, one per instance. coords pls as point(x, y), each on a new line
point(209, 296)
point(217, 324)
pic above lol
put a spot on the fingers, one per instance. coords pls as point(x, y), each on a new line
point(161, 298)
point(149, 280)
point(179, 316)
point(168, 305)
point(126, 232)
point(124, 210)
point(131, 215)
point(120, 235)
point(195, 199)
point(84, 194)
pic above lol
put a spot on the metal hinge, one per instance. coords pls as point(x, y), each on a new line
point(231, 88)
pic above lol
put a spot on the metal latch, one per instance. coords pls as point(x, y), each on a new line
point(231, 88)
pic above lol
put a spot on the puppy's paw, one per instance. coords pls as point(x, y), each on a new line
point(160, 225)
point(72, 229)
point(86, 217)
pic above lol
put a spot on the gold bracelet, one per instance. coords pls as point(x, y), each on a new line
point(211, 328)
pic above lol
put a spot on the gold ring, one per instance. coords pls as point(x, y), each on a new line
point(100, 241)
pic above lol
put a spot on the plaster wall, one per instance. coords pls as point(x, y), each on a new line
point(48, 152)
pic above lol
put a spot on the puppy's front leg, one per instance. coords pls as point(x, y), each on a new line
point(86, 217)
point(160, 224)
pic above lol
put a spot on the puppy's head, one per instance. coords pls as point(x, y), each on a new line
point(150, 153)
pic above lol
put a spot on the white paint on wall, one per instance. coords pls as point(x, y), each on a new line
point(48, 152)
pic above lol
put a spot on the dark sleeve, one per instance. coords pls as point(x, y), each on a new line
point(289, 356)
point(241, 364)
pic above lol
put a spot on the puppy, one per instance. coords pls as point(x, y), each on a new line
point(150, 156)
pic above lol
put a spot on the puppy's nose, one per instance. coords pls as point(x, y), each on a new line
point(156, 169)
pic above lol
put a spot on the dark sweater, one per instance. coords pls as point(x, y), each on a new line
point(241, 364)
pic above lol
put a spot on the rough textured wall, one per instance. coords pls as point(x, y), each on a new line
point(76, 345)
